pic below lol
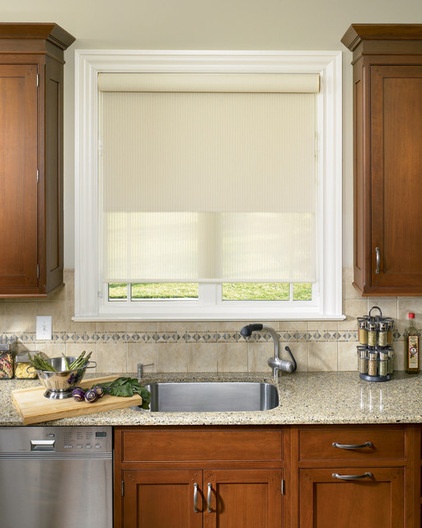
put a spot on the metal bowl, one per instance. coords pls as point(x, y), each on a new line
point(60, 384)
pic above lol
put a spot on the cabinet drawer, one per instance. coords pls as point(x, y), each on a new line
point(199, 445)
point(351, 443)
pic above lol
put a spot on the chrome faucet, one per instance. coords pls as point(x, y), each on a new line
point(275, 362)
point(140, 369)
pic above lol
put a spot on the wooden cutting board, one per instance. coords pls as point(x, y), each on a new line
point(34, 407)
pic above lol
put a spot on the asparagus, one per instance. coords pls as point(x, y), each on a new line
point(39, 363)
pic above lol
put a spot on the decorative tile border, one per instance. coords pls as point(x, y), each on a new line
point(187, 337)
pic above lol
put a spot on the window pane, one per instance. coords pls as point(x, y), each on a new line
point(302, 291)
point(252, 291)
point(167, 290)
point(117, 291)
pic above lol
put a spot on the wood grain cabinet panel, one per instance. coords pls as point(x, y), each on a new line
point(31, 164)
point(208, 477)
point(350, 475)
point(387, 94)
point(352, 444)
point(162, 479)
point(368, 498)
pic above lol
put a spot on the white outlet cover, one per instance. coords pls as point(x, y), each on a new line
point(44, 327)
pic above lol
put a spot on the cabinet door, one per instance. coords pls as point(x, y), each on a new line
point(243, 498)
point(162, 499)
point(396, 168)
point(376, 500)
point(18, 177)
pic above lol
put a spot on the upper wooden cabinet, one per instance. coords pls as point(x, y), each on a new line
point(31, 158)
point(387, 92)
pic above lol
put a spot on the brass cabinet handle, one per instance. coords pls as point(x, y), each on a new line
point(368, 474)
point(195, 498)
point(209, 497)
point(352, 446)
point(377, 260)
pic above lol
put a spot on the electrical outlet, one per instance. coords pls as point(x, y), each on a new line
point(44, 327)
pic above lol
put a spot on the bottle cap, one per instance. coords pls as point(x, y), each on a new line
point(411, 315)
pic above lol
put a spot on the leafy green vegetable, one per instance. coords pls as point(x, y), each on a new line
point(127, 387)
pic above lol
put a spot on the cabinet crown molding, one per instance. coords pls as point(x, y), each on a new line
point(48, 31)
point(358, 33)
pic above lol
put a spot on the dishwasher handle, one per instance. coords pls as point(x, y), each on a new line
point(43, 445)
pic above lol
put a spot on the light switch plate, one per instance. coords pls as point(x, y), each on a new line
point(44, 327)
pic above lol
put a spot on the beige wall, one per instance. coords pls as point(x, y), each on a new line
point(204, 24)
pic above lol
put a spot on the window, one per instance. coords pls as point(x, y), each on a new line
point(242, 235)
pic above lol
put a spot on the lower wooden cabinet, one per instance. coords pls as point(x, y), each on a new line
point(186, 498)
point(201, 477)
point(160, 498)
point(268, 477)
point(351, 476)
point(358, 496)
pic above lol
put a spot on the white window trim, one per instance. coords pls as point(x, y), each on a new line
point(89, 305)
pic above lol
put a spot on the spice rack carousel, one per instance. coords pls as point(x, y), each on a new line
point(375, 351)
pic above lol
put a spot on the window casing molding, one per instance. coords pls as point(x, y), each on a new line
point(90, 302)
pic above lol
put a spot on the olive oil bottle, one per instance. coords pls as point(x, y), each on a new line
point(412, 342)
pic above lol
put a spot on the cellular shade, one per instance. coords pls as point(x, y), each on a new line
point(208, 177)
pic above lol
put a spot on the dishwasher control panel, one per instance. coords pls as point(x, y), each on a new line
point(71, 440)
point(86, 439)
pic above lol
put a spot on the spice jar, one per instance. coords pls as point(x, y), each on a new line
point(372, 333)
point(390, 360)
point(383, 333)
point(383, 363)
point(390, 330)
point(373, 363)
point(362, 330)
point(362, 359)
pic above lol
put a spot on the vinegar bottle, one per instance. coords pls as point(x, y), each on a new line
point(412, 341)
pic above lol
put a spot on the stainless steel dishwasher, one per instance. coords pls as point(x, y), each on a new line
point(54, 477)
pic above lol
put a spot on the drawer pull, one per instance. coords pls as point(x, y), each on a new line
point(209, 497)
point(352, 446)
point(352, 477)
point(195, 498)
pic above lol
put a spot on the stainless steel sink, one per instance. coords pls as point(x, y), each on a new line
point(212, 396)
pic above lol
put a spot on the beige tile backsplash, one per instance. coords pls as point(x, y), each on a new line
point(204, 346)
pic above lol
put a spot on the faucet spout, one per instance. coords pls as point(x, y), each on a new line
point(276, 363)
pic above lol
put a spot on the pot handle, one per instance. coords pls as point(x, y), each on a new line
point(91, 364)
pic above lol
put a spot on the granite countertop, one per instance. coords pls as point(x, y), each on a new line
point(305, 398)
